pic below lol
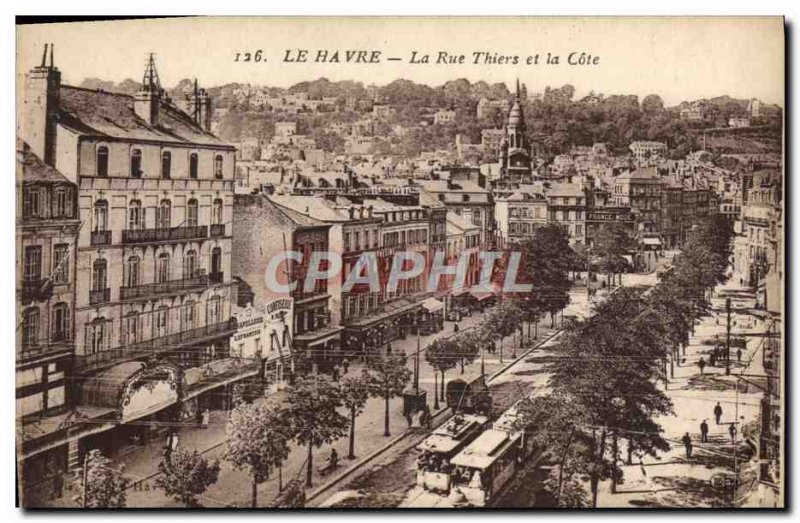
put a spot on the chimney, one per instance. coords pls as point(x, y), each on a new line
point(146, 101)
point(40, 108)
point(201, 108)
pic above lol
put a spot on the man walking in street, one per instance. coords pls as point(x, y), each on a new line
point(732, 432)
point(739, 355)
point(702, 365)
point(704, 432)
point(345, 364)
point(687, 443)
point(718, 412)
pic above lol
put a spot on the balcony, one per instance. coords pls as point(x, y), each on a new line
point(43, 347)
point(97, 297)
point(101, 238)
point(198, 280)
point(36, 290)
point(153, 347)
point(217, 230)
point(170, 234)
point(216, 277)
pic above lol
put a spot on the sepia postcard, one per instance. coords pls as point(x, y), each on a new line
point(400, 263)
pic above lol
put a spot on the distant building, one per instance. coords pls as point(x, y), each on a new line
point(515, 154)
point(739, 122)
point(444, 117)
point(487, 108)
point(754, 108)
point(647, 153)
point(692, 113)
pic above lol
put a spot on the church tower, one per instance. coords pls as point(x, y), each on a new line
point(515, 150)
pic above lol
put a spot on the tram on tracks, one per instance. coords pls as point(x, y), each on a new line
point(486, 467)
point(436, 451)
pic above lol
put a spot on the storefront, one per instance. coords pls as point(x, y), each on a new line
point(432, 316)
point(372, 333)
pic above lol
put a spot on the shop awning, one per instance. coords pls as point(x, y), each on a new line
point(651, 241)
point(628, 258)
point(322, 335)
point(432, 305)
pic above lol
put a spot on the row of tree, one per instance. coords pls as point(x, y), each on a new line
point(604, 384)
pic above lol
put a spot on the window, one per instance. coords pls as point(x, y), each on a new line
point(193, 165)
point(99, 275)
point(187, 316)
point(189, 264)
point(162, 268)
point(62, 203)
point(216, 260)
point(218, 166)
point(135, 215)
point(132, 328)
point(191, 213)
point(30, 327)
point(32, 200)
point(132, 267)
point(166, 164)
point(346, 241)
point(61, 323)
point(164, 215)
point(60, 263)
point(97, 335)
point(161, 326)
point(101, 215)
point(213, 310)
point(32, 270)
point(216, 212)
point(136, 163)
point(465, 197)
point(102, 161)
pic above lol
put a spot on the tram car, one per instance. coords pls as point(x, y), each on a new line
point(433, 464)
point(482, 472)
point(469, 397)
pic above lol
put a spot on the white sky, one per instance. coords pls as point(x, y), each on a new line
point(677, 58)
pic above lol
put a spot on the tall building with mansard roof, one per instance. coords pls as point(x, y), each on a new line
point(153, 292)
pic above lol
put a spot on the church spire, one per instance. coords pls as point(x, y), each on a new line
point(150, 81)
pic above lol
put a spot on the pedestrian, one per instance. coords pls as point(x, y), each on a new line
point(732, 432)
point(205, 418)
point(704, 432)
point(409, 419)
point(713, 358)
point(335, 373)
point(428, 417)
point(739, 355)
point(333, 461)
point(687, 443)
point(718, 412)
point(701, 364)
point(455, 327)
point(346, 364)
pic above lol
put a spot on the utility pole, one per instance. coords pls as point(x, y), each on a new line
point(728, 338)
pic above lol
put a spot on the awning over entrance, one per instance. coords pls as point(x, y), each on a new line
point(217, 373)
point(432, 305)
point(322, 335)
point(651, 241)
point(628, 258)
point(105, 388)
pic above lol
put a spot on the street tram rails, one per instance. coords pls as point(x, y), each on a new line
point(433, 464)
point(483, 471)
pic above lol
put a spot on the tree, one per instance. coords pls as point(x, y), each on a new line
point(611, 244)
point(388, 377)
point(100, 484)
point(355, 393)
point(545, 263)
point(185, 475)
point(441, 354)
point(652, 103)
point(257, 442)
point(313, 417)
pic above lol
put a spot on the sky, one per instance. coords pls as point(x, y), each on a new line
point(677, 58)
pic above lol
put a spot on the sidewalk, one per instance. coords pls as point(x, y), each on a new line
point(672, 480)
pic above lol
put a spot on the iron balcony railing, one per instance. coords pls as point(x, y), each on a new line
point(166, 234)
point(99, 296)
point(198, 280)
point(154, 346)
point(217, 229)
point(101, 238)
point(36, 290)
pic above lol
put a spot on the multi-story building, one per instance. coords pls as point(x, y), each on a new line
point(486, 108)
point(472, 202)
point(641, 191)
point(515, 151)
point(444, 117)
point(566, 206)
point(672, 213)
point(648, 153)
point(755, 247)
point(519, 214)
point(265, 232)
point(153, 292)
point(47, 227)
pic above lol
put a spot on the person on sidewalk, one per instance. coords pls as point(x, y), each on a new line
point(718, 412)
point(713, 359)
point(739, 355)
point(701, 364)
point(704, 432)
point(732, 432)
point(687, 443)
point(335, 373)
point(345, 364)
point(333, 461)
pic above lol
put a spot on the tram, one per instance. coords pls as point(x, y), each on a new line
point(481, 472)
point(433, 464)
